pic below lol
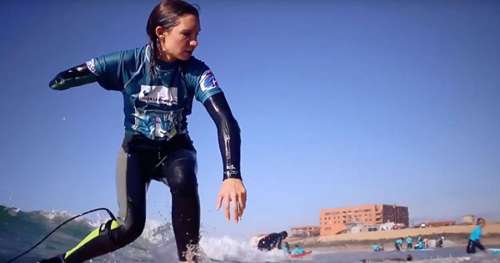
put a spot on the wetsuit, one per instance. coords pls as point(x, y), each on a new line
point(157, 100)
point(475, 240)
point(409, 243)
point(398, 244)
point(271, 241)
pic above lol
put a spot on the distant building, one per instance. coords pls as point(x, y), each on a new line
point(469, 219)
point(387, 226)
point(439, 223)
point(337, 220)
point(305, 231)
point(356, 228)
point(359, 228)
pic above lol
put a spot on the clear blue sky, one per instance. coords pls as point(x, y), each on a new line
point(339, 102)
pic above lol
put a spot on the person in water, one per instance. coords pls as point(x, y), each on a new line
point(475, 237)
point(440, 242)
point(409, 242)
point(420, 243)
point(285, 247)
point(158, 83)
point(271, 241)
point(398, 244)
point(298, 250)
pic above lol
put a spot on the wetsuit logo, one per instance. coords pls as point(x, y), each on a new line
point(160, 95)
point(208, 81)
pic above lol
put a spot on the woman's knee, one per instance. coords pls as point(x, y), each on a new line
point(130, 230)
point(182, 172)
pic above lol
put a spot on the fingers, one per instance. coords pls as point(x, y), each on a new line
point(225, 201)
point(227, 205)
point(242, 201)
point(236, 212)
point(218, 203)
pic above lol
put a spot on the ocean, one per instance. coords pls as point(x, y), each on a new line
point(20, 230)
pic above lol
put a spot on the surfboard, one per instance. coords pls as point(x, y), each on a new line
point(233, 261)
point(494, 251)
point(301, 255)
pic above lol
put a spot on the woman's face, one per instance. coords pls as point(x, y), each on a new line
point(181, 40)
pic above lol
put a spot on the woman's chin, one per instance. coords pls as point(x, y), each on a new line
point(185, 56)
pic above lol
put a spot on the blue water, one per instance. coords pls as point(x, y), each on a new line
point(20, 230)
point(447, 254)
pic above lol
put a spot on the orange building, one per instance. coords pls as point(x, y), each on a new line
point(305, 231)
point(336, 220)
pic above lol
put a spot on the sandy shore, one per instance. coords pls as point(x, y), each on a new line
point(456, 235)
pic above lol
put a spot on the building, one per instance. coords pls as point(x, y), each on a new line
point(305, 231)
point(336, 220)
point(469, 219)
point(440, 223)
point(359, 228)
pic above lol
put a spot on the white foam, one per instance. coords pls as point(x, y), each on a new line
point(157, 232)
point(223, 249)
point(13, 211)
point(227, 248)
point(54, 214)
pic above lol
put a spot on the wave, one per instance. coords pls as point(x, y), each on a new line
point(19, 230)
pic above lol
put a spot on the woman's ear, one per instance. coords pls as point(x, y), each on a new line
point(160, 31)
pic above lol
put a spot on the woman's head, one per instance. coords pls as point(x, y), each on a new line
point(173, 28)
point(480, 221)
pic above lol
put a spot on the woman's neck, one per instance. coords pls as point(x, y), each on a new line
point(165, 57)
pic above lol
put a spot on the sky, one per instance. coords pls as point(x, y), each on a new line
point(340, 103)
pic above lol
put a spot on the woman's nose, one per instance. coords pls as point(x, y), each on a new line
point(193, 43)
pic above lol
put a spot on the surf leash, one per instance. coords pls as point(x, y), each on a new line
point(59, 226)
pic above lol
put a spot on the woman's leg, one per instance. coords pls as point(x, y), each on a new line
point(471, 247)
point(479, 245)
point(117, 233)
point(180, 172)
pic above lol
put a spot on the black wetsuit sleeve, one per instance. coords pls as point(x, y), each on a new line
point(228, 133)
point(75, 76)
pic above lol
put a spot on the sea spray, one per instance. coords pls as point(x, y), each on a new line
point(227, 248)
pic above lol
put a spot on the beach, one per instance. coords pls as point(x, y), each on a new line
point(456, 235)
point(356, 247)
point(445, 255)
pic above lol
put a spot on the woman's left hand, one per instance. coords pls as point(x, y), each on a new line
point(232, 191)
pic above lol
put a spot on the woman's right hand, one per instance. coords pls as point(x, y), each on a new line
point(232, 191)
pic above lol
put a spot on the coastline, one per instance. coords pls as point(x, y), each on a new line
point(456, 235)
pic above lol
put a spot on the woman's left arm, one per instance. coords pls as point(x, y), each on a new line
point(232, 189)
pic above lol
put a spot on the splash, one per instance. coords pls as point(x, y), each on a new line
point(229, 249)
point(225, 249)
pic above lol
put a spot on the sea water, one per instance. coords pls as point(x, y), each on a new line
point(20, 230)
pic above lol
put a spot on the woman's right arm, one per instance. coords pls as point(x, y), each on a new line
point(75, 76)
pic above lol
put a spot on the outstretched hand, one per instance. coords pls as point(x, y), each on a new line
point(232, 192)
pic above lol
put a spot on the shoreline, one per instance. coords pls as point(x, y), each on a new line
point(456, 235)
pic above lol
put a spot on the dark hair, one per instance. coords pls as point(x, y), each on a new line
point(166, 14)
point(478, 221)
